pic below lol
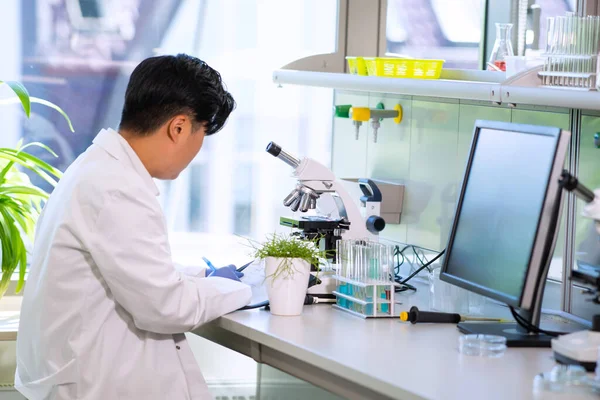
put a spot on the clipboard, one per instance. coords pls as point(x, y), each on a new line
point(254, 276)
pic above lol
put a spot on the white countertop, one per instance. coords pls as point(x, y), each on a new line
point(396, 359)
point(386, 356)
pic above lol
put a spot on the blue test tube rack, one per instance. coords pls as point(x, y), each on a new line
point(366, 300)
point(364, 279)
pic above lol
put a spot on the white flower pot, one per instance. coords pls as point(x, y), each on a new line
point(286, 283)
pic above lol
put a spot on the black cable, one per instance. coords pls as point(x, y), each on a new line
point(529, 326)
point(397, 255)
point(405, 286)
point(404, 282)
point(423, 267)
point(418, 257)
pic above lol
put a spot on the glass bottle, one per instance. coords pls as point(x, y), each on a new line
point(502, 48)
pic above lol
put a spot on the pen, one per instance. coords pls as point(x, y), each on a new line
point(213, 268)
point(209, 264)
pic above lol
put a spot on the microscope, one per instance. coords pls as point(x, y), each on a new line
point(316, 183)
point(581, 348)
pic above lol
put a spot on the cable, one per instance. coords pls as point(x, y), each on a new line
point(404, 282)
point(417, 255)
point(398, 254)
point(529, 326)
point(423, 267)
point(405, 286)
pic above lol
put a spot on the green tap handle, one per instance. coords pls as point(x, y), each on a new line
point(342, 111)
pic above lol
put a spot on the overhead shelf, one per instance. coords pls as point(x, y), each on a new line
point(521, 89)
point(541, 96)
point(487, 91)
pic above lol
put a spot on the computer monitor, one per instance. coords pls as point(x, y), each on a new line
point(505, 226)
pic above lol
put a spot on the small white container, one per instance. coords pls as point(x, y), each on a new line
point(286, 283)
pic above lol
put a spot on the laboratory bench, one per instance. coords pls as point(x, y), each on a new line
point(377, 358)
point(356, 358)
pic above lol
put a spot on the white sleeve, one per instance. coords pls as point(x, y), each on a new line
point(130, 247)
point(191, 270)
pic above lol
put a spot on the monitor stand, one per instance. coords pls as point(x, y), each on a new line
point(514, 336)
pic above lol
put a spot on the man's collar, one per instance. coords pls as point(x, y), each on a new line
point(119, 148)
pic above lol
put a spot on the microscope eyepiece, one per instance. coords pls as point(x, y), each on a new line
point(273, 149)
point(276, 151)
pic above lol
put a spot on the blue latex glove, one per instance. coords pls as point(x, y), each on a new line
point(229, 272)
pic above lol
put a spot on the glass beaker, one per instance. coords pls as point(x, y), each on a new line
point(502, 48)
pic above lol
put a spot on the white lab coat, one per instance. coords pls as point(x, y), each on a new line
point(104, 309)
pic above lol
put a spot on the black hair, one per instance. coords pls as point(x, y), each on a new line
point(165, 86)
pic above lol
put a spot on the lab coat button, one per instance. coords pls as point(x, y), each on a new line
point(178, 348)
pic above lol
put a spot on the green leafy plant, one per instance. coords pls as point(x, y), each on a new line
point(287, 248)
point(20, 200)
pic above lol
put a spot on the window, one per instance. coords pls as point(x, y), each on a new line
point(441, 29)
point(454, 30)
point(80, 53)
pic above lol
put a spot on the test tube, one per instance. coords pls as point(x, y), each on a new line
point(549, 46)
point(585, 49)
point(363, 261)
point(351, 262)
point(596, 49)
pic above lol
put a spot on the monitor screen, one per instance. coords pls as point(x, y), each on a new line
point(499, 211)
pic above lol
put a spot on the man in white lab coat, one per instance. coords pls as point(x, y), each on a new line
point(105, 308)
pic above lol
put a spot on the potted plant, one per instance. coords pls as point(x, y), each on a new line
point(20, 200)
point(288, 260)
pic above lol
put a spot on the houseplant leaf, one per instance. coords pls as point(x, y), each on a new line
point(22, 270)
point(5, 170)
point(18, 216)
point(20, 200)
point(55, 107)
point(30, 190)
point(34, 160)
point(5, 240)
point(15, 100)
point(31, 165)
point(22, 94)
point(16, 255)
point(19, 147)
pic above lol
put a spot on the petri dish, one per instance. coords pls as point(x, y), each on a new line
point(482, 345)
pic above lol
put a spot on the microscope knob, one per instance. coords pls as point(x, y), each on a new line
point(375, 224)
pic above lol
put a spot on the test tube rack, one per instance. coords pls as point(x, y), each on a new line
point(365, 284)
point(375, 299)
point(572, 48)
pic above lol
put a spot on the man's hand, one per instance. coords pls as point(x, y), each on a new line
point(229, 272)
